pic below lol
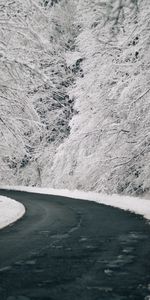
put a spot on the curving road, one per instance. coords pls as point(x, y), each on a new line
point(66, 249)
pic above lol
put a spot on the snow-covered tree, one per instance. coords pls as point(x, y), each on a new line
point(109, 142)
point(75, 93)
point(35, 107)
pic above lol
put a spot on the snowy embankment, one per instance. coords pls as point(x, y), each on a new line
point(10, 211)
point(136, 205)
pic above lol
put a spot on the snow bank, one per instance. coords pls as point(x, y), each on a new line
point(10, 211)
point(133, 204)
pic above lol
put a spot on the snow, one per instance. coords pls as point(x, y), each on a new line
point(10, 211)
point(72, 57)
point(107, 148)
point(136, 205)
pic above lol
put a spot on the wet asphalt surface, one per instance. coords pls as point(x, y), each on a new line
point(66, 249)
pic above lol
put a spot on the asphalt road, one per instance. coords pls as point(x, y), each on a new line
point(66, 249)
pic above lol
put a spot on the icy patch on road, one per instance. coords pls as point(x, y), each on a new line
point(133, 204)
point(10, 211)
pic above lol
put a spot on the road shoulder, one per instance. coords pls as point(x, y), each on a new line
point(10, 211)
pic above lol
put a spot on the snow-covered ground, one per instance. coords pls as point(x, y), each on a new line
point(136, 205)
point(10, 211)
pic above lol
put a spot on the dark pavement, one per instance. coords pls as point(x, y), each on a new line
point(68, 249)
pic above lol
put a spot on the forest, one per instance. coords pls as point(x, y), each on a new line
point(74, 94)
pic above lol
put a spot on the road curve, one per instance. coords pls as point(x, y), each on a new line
point(65, 249)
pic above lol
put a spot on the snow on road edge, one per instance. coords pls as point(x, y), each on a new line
point(133, 204)
point(10, 211)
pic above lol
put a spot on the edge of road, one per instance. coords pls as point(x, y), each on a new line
point(10, 211)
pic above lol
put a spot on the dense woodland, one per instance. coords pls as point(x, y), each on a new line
point(74, 94)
